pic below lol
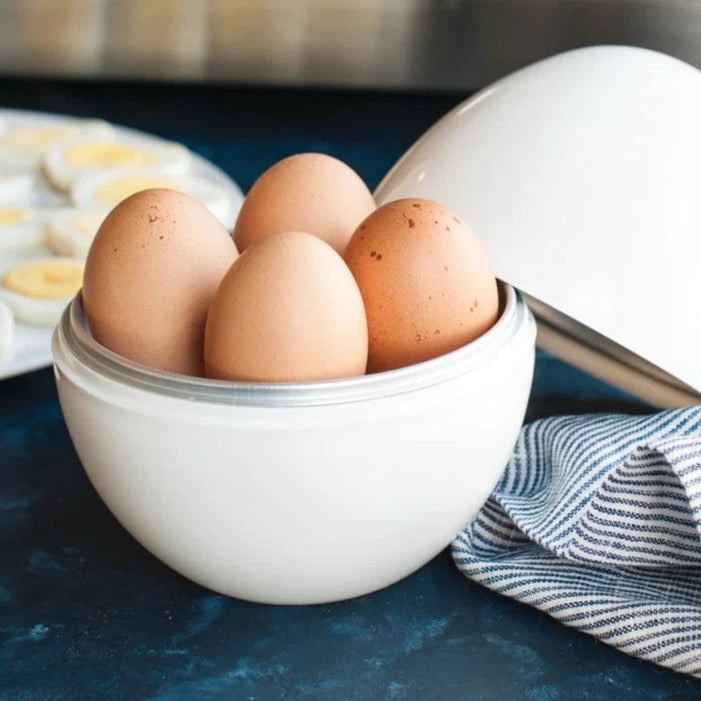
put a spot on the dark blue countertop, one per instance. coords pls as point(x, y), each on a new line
point(86, 613)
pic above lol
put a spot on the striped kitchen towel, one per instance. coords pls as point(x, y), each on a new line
point(597, 522)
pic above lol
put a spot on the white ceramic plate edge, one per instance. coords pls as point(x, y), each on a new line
point(32, 348)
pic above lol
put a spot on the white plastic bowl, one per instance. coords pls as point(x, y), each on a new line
point(297, 493)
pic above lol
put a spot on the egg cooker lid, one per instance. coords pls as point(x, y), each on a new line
point(582, 176)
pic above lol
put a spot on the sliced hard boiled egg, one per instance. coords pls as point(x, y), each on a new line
point(71, 231)
point(22, 147)
point(38, 291)
point(110, 188)
point(16, 187)
point(7, 330)
point(65, 163)
point(21, 229)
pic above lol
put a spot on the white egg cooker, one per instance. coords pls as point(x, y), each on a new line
point(581, 175)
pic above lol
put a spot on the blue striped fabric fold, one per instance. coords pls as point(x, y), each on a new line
point(597, 522)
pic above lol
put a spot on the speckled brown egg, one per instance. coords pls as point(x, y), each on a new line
point(426, 281)
point(308, 192)
point(150, 276)
point(287, 310)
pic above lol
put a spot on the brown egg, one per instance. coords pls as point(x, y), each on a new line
point(427, 284)
point(287, 310)
point(308, 192)
point(150, 276)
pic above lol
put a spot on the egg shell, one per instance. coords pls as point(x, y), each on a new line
point(288, 310)
point(150, 275)
point(309, 192)
point(108, 188)
point(426, 281)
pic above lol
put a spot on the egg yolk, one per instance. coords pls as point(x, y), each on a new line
point(87, 224)
point(117, 190)
point(35, 139)
point(106, 155)
point(8, 217)
point(46, 279)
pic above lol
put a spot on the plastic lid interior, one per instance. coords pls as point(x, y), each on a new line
point(581, 174)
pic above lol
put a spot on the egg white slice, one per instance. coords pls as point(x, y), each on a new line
point(71, 231)
point(76, 158)
point(16, 187)
point(22, 146)
point(22, 229)
point(7, 331)
point(38, 291)
point(109, 188)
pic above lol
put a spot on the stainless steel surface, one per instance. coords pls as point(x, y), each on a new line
point(586, 336)
point(427, 44)
point(516, 321)
point(600, 356)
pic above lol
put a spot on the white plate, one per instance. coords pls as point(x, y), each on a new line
point(32, 348)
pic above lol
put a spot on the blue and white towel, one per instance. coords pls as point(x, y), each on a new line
point(597, 522)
